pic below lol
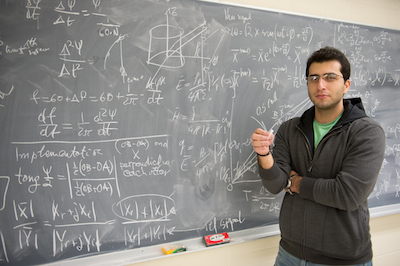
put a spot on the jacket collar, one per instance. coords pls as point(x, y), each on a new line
point(353, 110)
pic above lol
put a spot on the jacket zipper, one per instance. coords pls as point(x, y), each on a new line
point(309, 169)
point(308, 147)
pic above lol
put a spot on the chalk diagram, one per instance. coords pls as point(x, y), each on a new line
point(166, 51)
point(171, 38)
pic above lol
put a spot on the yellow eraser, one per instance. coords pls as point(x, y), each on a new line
point(173, 249)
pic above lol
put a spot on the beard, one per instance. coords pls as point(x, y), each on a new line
point(332, 104)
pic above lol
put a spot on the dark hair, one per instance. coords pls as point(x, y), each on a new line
point(330, 54)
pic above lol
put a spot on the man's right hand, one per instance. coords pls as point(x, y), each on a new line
point(261, 140)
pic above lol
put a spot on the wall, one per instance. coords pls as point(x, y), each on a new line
point(385, 230)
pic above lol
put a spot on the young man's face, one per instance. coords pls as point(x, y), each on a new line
point(327, 92)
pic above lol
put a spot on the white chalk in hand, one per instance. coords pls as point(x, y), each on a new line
point(270, 133)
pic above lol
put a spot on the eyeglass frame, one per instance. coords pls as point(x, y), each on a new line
point(324, 77)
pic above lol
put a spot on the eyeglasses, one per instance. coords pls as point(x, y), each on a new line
point(328, 77)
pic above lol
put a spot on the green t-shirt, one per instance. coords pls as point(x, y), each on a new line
point(320, 130)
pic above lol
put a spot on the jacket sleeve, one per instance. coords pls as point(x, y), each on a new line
point(275, 178)
point(353, 184)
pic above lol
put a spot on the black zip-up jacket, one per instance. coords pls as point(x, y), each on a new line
point(328, 221)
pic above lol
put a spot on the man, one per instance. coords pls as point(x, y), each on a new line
point(328, 161)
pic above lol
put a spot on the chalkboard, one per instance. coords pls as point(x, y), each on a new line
point(126, 124)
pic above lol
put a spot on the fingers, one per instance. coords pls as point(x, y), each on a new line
point(261, 132)
point(292, 173)
point(262, 135)
point(261, 140)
